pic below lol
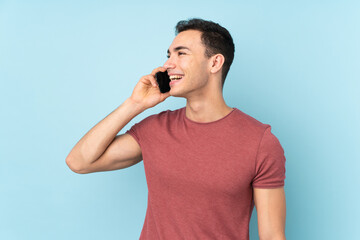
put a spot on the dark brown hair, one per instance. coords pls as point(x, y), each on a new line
point(215, 38)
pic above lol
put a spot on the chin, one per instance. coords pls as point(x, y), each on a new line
point(175, 93)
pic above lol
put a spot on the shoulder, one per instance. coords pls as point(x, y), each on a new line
point(262, 132)
point(163, 116)
point(169, 113)
point(248, 123)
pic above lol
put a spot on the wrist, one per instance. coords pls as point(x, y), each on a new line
point(134, 106)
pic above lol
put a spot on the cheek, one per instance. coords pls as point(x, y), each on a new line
point(185, 64)
point(201, 67)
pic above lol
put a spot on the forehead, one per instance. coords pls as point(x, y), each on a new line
point(188, 38)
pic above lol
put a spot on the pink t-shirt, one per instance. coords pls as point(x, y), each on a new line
point(200, 176)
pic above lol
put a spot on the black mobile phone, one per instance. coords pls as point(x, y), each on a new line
point(163, 80)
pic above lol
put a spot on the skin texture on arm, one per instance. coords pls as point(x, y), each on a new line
point(100, 149)
point(271, 212)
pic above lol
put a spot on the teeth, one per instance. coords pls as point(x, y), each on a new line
point(175, 77)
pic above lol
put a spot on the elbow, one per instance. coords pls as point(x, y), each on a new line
point(75, 166)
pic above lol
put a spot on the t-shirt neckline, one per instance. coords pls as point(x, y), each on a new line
point(206, 123)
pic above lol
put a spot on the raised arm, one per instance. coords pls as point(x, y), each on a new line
point(100, 149)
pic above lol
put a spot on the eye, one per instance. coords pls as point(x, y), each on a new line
point(181, 53)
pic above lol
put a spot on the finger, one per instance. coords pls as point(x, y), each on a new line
point(158, 69)
point(165, 95)
point(152, 80)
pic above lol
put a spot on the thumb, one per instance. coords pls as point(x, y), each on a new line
point(164, 96)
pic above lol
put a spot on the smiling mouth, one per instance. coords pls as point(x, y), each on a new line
point(175, 77)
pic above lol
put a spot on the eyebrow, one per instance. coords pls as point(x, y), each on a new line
point(178, 48)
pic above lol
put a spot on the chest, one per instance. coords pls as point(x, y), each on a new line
point(198, 162)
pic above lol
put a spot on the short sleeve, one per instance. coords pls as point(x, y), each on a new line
point(140, 130)
point(269, 163)
point(134, 132)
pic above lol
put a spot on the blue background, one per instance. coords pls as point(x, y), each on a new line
point(65, 65)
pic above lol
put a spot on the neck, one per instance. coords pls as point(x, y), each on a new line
point(207, 108)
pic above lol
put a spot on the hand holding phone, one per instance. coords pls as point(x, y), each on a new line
point(163, 80)
point(146, 92)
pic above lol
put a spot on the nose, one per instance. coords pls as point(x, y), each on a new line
point(169, 64)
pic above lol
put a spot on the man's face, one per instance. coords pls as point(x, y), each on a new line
point(187, 64)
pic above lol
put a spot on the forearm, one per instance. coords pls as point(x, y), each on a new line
point(93, 144)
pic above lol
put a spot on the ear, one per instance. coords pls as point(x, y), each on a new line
point(217, 61)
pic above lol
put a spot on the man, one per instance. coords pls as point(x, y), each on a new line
point(206, 164)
